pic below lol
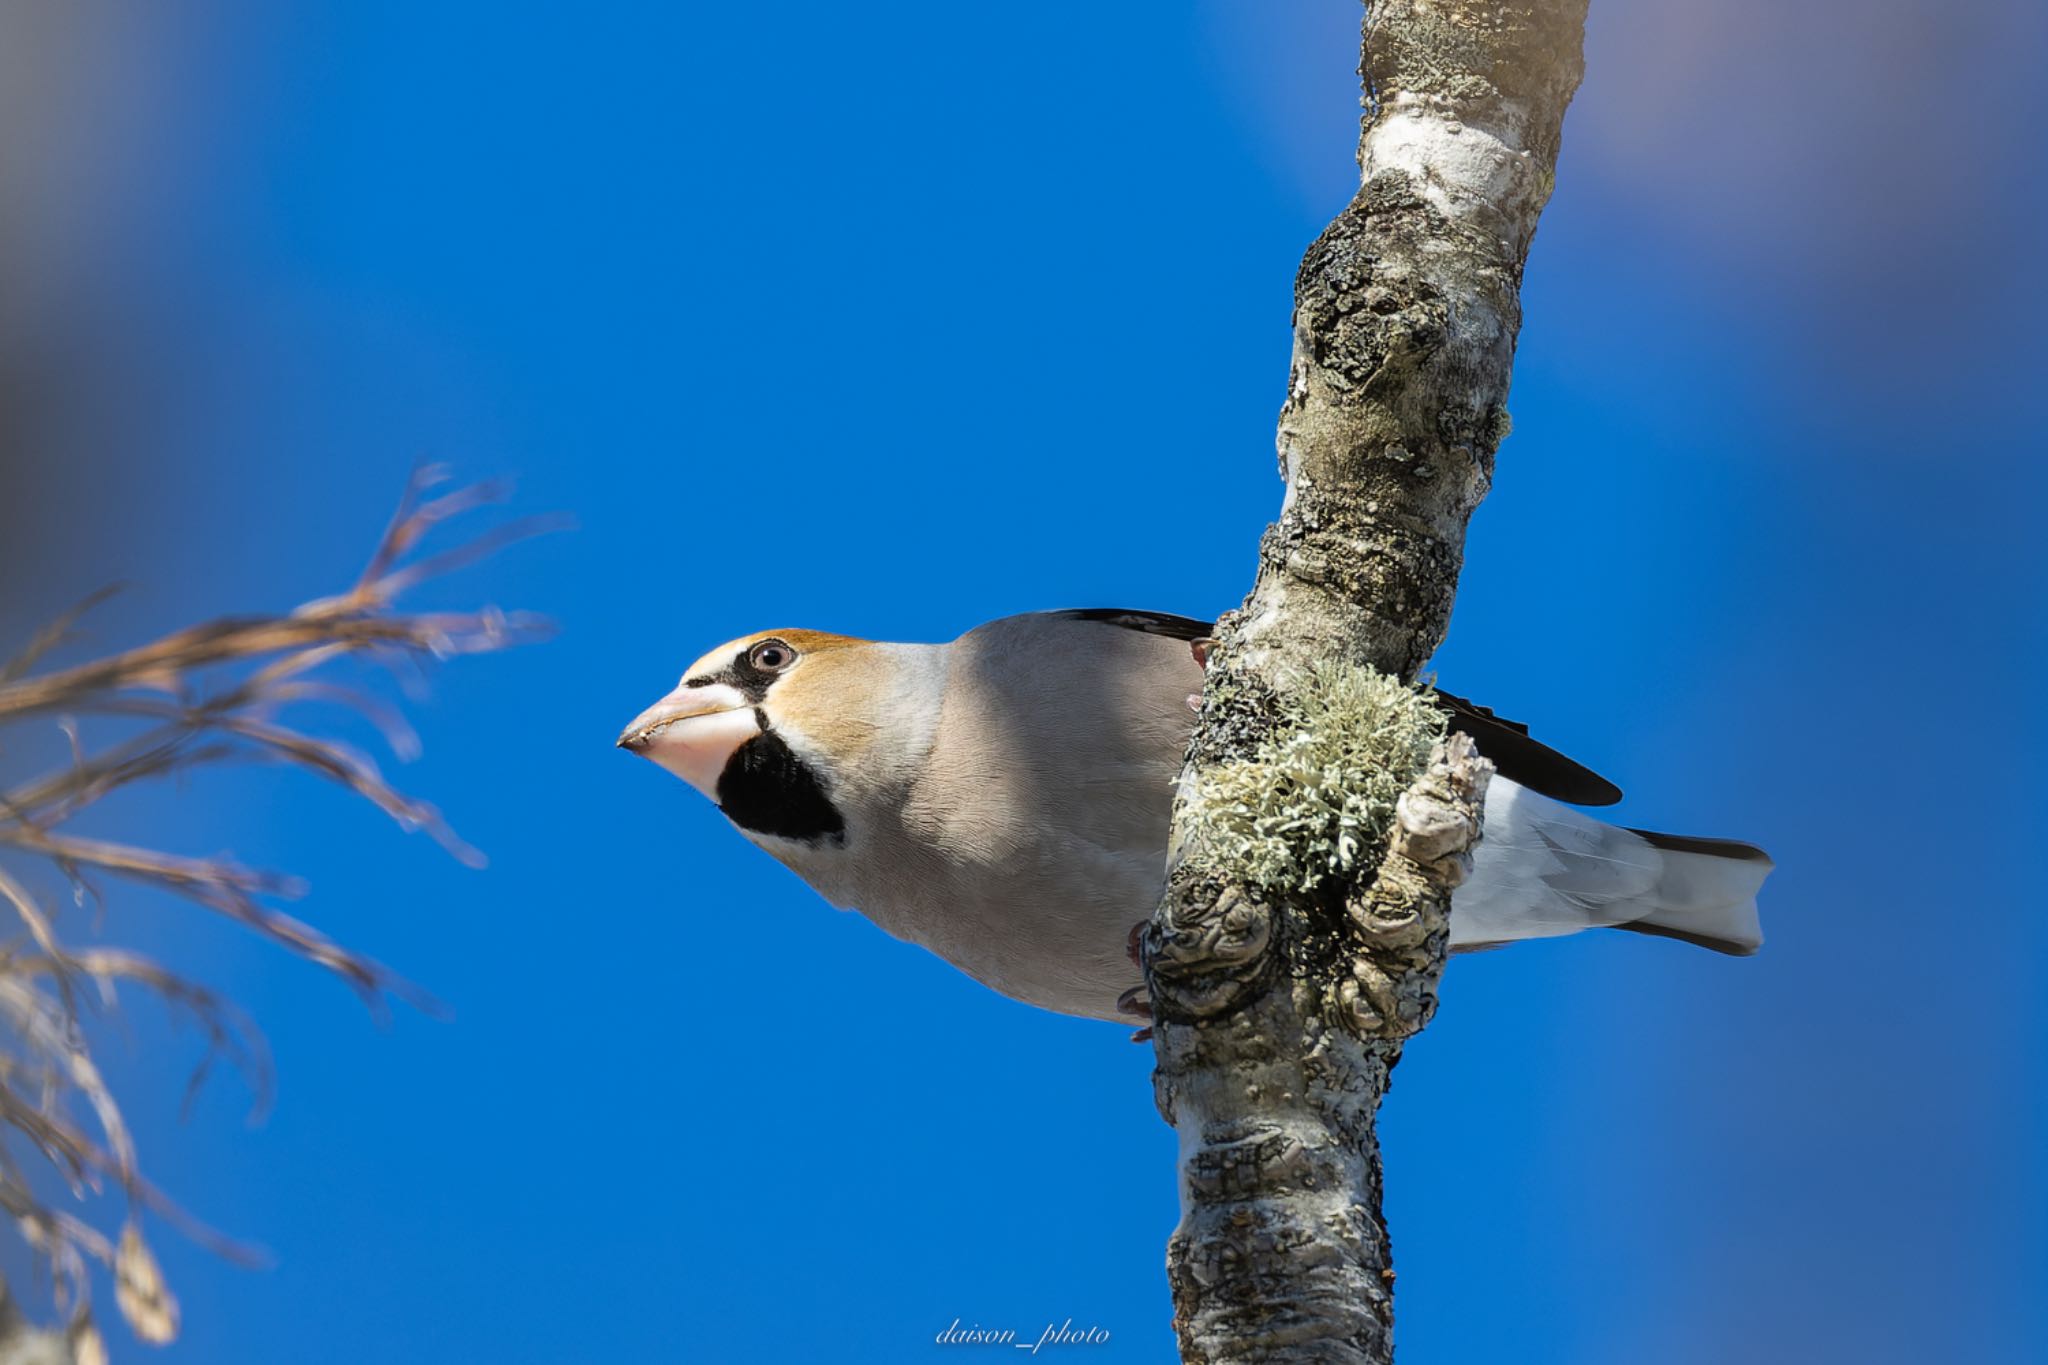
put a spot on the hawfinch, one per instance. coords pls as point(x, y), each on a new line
point(1004, 800)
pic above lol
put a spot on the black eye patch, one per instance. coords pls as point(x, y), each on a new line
point(740, 675)
point(750, 680)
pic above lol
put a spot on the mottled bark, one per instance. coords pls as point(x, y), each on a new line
point(1280, 1018)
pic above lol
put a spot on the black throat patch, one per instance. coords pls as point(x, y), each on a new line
point(767, 789)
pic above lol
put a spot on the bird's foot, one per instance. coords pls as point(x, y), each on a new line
point(1138, 1005)
point(1134, 1001)
point(1200, 649)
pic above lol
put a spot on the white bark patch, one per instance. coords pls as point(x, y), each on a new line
point(1456, 166)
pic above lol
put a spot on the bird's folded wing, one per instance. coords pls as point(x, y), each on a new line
point(1528, 761)
point(1507, 743)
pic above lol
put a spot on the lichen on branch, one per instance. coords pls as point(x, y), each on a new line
point(1315, 797)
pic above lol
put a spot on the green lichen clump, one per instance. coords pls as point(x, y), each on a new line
point(1316, 797)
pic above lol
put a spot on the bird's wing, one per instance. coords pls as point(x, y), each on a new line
point(1151, 622)
point(1052, 723)
point(1507, 743)
point(1528, 761)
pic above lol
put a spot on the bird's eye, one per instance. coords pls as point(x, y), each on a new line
point(771, 656)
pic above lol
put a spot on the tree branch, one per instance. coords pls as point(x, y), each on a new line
point(1280, 1010)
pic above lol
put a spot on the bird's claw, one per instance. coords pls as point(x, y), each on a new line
point(1138, 1005)
point(1200, 649)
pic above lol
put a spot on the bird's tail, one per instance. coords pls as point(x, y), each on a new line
point(1706, 892)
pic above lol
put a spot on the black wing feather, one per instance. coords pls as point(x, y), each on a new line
point(1530, 762)
point(1519, 758)
point(1150, 622)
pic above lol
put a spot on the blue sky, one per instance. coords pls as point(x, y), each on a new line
point(891, 320)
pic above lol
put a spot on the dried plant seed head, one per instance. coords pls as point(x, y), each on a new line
point(198, 698)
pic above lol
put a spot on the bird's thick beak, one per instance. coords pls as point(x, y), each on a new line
point(681, 704)
point(693, 731)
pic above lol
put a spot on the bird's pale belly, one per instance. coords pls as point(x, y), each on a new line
point(1062, 945)
point(1083, 972)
